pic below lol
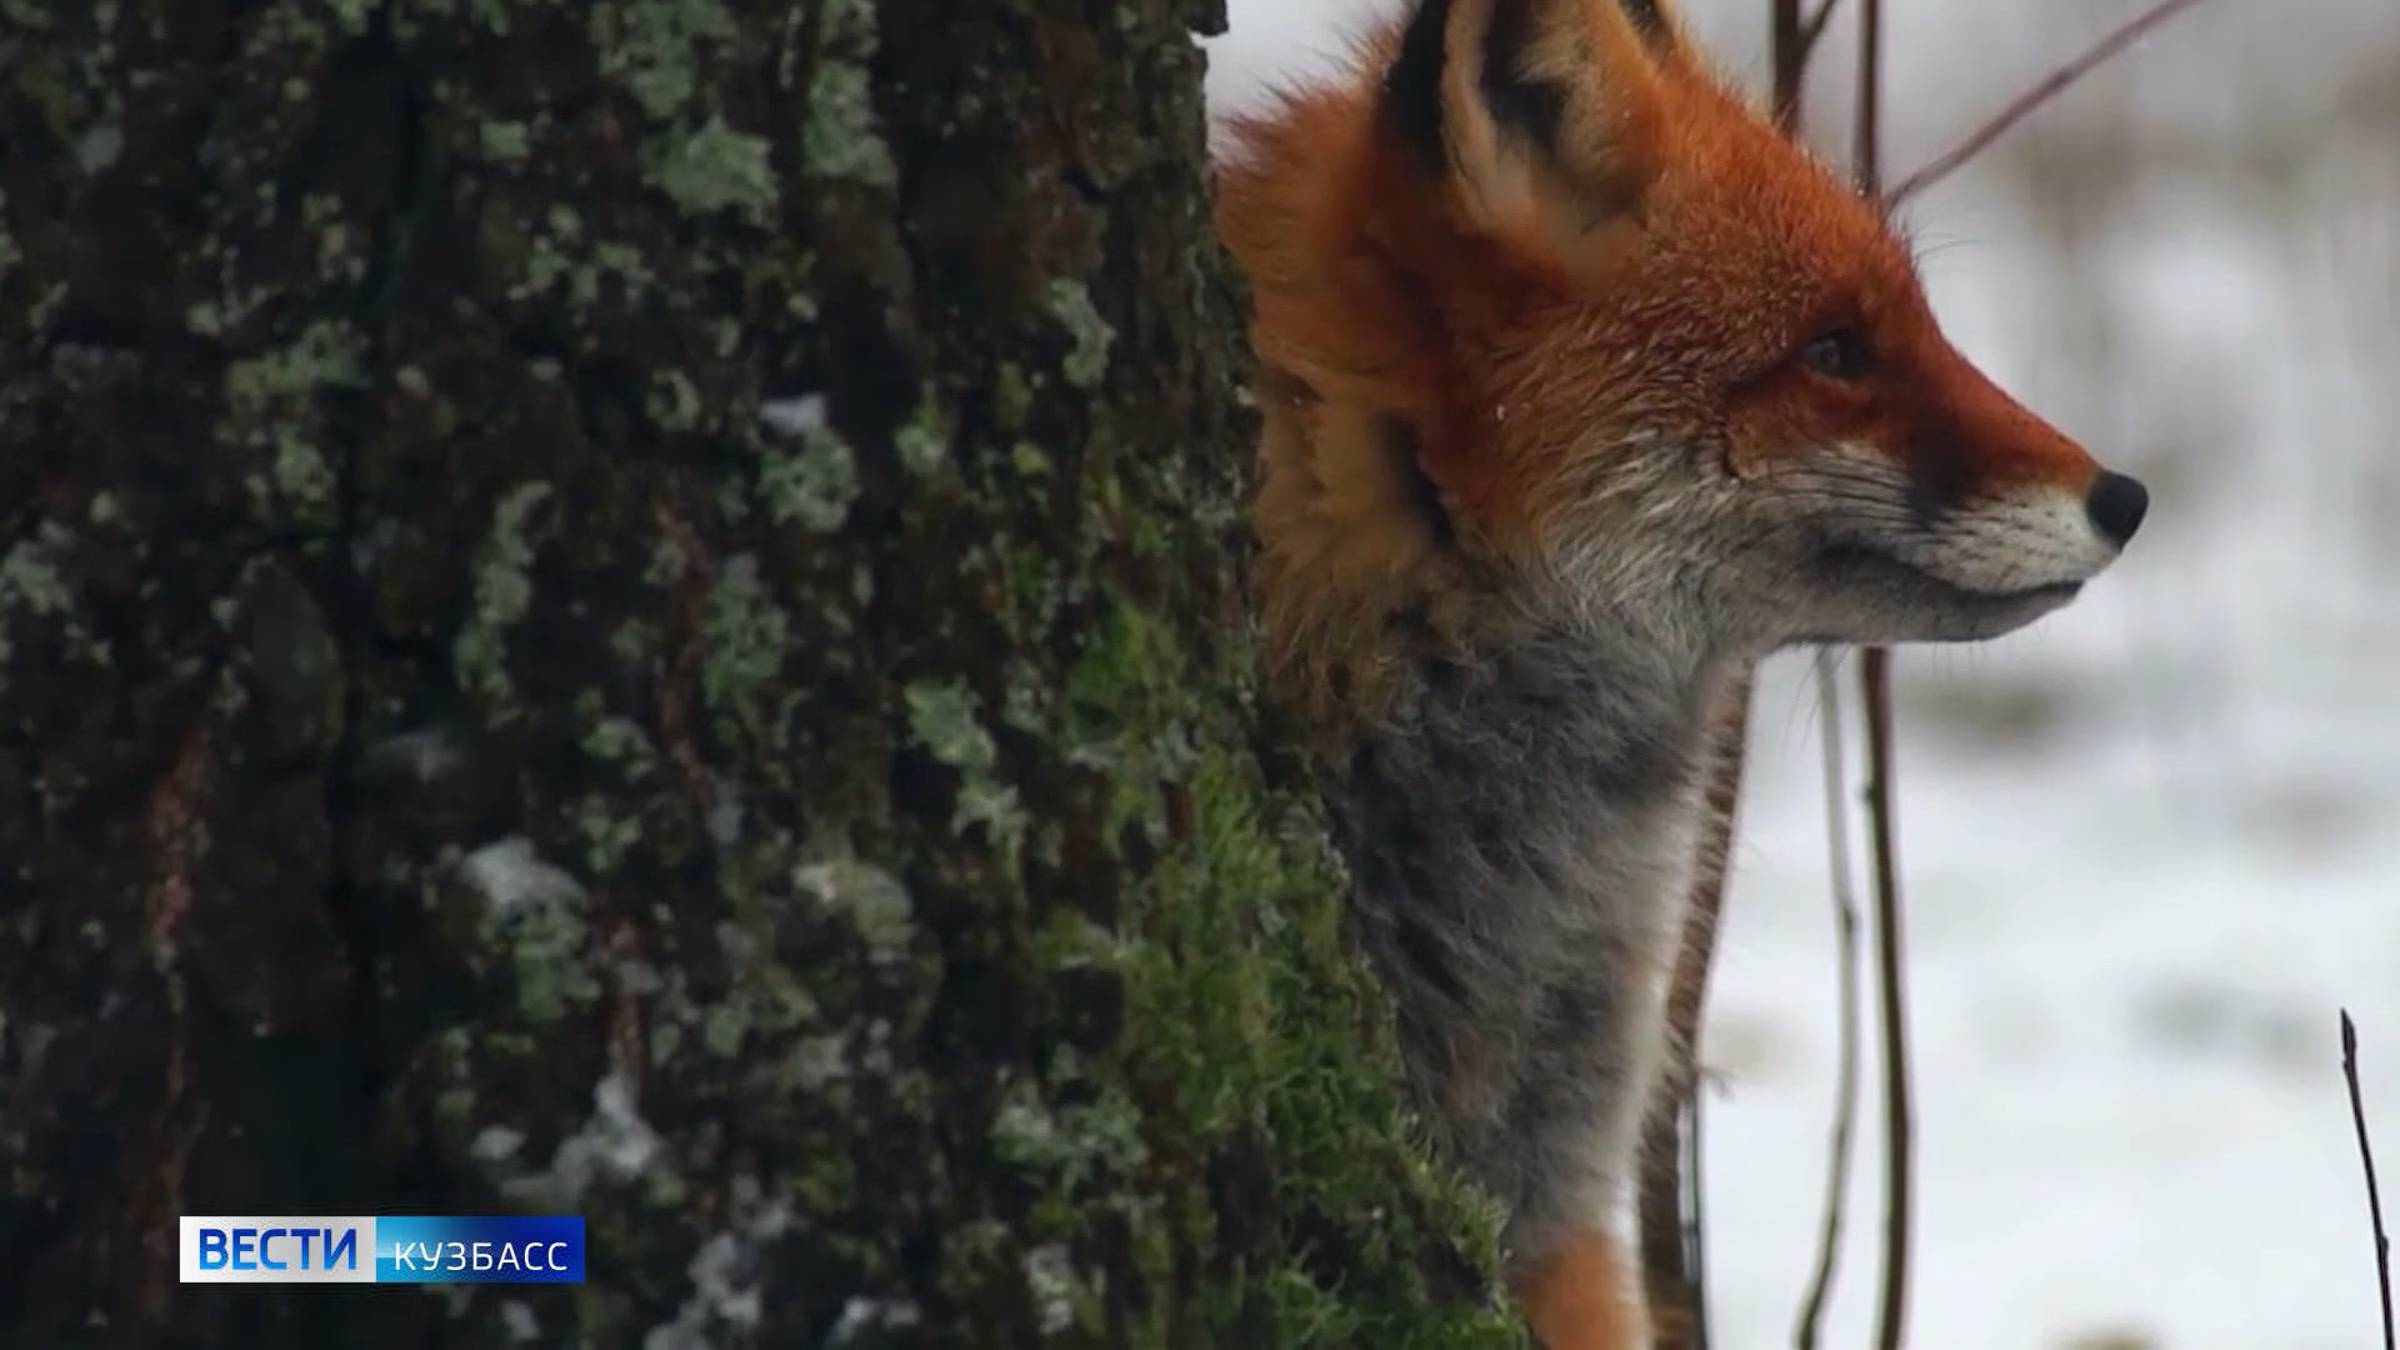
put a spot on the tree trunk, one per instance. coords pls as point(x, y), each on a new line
point(634, 609)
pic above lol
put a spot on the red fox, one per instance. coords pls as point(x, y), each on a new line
point(1583, 388)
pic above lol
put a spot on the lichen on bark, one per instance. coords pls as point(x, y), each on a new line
point(636, 608)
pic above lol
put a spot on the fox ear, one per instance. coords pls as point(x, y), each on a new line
point(1541, 116)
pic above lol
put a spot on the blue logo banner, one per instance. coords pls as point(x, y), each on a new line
point(382, 1249)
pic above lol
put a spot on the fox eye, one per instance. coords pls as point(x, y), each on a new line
point(1839, 355)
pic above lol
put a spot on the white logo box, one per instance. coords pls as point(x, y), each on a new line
point(212, 1249)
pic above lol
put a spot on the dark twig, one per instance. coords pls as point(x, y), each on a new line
point(1795, 36)
point(1674, 1237)
point(1898, 1123)
point(1673, 1234)
point(1845, 919)
point(1670, 1262)
point(1816, 28)
point(1876, 678)
point(1867, 132)
point(2366, 1152)
point(2051, 86)
point(1696, 1224)
point(1784, 23)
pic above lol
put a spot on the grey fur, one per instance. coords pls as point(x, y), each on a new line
point(1520, 827)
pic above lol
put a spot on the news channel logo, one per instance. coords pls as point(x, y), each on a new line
point(381, 1249)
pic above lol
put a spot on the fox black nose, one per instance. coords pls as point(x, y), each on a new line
point(2117, 505)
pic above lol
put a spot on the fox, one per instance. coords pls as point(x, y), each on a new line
point(1583, 388)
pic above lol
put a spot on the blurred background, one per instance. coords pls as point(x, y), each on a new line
point(2153, 844)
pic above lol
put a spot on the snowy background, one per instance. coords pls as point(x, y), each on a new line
point(2151, 845)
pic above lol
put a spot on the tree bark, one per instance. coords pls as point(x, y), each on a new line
point(635, 609)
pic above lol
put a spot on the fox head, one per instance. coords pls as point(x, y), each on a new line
point(1548, 317)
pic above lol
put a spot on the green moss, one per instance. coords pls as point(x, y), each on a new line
point(352, 15)
point(99, 148)
point(29, 585)
point(945, 719)
point(622, 741)
point(1065, 1149)
point(607, 829)
point(874, 901)
point(558, 257)
point(1126, 718)
point(1087, 361)
point(924, 440)
point(744, 633)
point(1245, 1009)
point(842, 139)
point(815, 486)
point(674, 402)
point(302, 476)
point(503, 594)
point(655, 47)
point(1063, 1297)
point(271, 406)
point(717, 168)
point(1012, 397)
point(505, 142)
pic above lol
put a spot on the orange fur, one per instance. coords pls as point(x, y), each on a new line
point(1581, 1298)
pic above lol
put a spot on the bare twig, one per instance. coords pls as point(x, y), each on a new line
point(1898, 1122)
point(2366, 1152)
point(1816, 28)
point(1795, 36)
point(1673, 1231)
point(2050, 87)
point(1845, 920)
point(1696, 1226)
point(1867, 132)
point(1674, 1266)
point(1671, 1263)
point(1876, 681)
point(1785, 24)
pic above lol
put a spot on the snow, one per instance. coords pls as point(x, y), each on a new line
point(2149, 845)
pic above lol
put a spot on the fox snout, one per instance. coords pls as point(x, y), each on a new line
point(2117, 505)
point(1941, 509)
point(2001, 502)
point(1895, 565)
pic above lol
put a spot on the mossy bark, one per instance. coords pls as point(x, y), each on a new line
point(634, 608)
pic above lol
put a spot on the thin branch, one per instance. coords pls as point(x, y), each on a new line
point(1791, 62)
point(1867, 132)
point(1876, 680)
point(1674, 1238)
point(1898, 1122)
point(2051, 86)
point(2366, 1151)
point(1795, 40)
point(1696, 1229)
point(1816, 27)
point(1845, 920)
point(1670, 1261)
